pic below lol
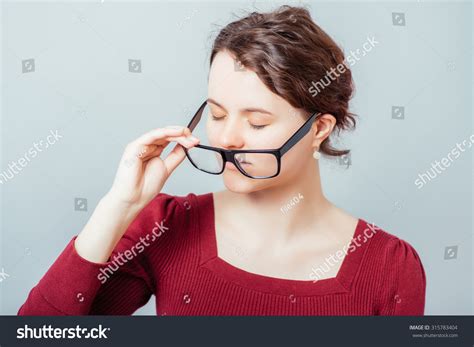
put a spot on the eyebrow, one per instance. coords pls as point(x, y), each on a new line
point(249, 109)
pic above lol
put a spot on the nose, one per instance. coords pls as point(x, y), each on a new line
point(231, 135)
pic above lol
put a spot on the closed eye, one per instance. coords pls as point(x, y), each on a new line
point(257, 127)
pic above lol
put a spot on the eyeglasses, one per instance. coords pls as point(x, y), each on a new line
point(257, 163)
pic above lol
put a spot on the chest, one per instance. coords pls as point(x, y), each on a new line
point(295, 261)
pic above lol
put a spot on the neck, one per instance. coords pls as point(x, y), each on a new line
point(267, 210)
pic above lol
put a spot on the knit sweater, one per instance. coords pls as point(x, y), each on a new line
point(170, 251)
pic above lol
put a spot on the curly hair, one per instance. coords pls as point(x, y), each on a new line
point(289, 51)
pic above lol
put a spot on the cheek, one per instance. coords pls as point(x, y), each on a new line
point(297, 157)
point(273, 137)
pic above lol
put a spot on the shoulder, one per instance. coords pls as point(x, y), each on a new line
point(163, 216)
point(166, 207)
point(392, 249)
point(165, 204)
point(159, 229)
point(171, 218)
point(402, 282)
point(169, 211)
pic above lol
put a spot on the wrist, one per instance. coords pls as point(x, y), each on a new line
point(120, 209)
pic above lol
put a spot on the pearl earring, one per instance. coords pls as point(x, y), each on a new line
point(316, 154)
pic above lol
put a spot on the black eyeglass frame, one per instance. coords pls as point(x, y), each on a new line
point(229, 154)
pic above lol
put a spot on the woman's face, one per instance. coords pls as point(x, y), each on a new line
point(245, 114)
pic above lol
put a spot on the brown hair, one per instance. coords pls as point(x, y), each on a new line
point(288, 51)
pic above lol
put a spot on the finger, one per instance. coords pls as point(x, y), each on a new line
point(156, 136)
point(183, 140)
point(174, 158)
point(153, 136)
point(161, 133)
point(141, 144)
point(187, 132)
point(151, 151)
point(146, 152)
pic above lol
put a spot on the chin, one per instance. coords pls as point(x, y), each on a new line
point(238, 183)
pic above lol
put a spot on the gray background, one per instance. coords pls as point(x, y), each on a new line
point(82, 87)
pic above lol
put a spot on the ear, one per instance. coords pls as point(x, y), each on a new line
point(322, 127)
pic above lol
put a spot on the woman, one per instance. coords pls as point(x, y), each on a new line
point(271, 243)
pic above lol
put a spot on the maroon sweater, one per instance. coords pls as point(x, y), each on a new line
point(170, 251)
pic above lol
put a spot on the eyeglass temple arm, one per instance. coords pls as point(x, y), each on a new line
point(302, 131)
point(197, 117)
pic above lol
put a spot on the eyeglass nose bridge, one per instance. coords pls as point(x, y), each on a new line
point(229, 156)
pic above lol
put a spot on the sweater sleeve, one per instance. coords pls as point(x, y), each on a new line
point(76, 286)
point(404, 284)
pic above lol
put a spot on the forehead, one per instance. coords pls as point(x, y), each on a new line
point(234, 87)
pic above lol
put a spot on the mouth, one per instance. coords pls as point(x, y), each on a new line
point(231, 166)
point(241, 159)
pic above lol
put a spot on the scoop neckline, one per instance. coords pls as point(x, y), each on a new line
point(210, 260)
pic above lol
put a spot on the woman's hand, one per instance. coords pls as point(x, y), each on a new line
point(142, 173)
point(139, 178)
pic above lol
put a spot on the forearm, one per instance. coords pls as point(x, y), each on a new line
point(105, 228)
